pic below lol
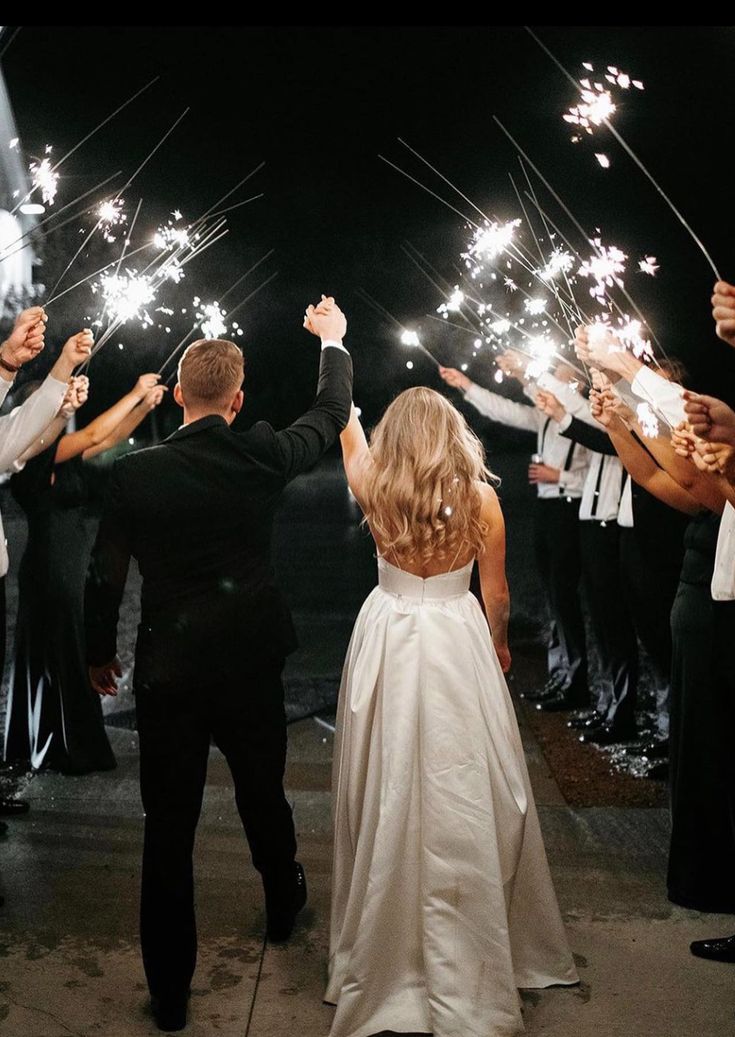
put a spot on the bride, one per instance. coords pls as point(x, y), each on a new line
point(442, 901)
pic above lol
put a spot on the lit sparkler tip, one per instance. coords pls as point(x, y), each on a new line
point(211, 318)
point(534, 306)
point(45, 180)
point(410, 338)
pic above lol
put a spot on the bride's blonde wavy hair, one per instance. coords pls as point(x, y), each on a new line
point(421, 498)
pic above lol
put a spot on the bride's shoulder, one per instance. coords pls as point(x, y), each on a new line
point(489, 503)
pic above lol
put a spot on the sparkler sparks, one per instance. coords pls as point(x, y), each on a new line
point(603, 160)
point(110, 214)
point(605, 268)
point(211, 318)
point(453, 303)
point(45, 180)
point(647, 420)
point(167, 238)
point(534, 306)
point(559, 262)
point(594, 109)
point(126, 296)
point(488, 242)
point(648, 265)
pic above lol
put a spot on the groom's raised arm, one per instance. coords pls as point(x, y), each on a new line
point(298, 447)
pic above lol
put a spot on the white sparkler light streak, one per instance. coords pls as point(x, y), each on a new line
point(648, 265)
point(410, 338)
point(211, 318)
point(110, 214)
point(605, 268)
point(45, 180)
point(126, 296)
point(559, 262)
point(647, 420)
point(489, 241)
point(534, 306)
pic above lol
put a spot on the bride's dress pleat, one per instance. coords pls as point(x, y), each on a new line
point(442, 902)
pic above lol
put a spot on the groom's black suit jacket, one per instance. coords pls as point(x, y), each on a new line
point(197, 513)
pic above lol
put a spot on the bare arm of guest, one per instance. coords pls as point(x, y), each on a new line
point(493, 582)
point(93, 434)
point(129, 424)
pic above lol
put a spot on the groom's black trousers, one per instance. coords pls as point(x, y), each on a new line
point(246, 718)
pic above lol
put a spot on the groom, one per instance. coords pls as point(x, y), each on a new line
point(197, 513)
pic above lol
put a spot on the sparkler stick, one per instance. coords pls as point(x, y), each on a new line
point(247, 273)
point(409, 338)
point(238, 205)
point(151, 153)
point(626, 147)
point(427, 189)
point(53, 215)
point(10, 40)
point(442, 291)
point(239, 306)
point(231, 191)
point(442, 177)
point(105, 121)
point(91, 276)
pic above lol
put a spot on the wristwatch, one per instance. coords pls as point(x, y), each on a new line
point(12, 368)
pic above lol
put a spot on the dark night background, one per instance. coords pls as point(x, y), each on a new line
point(318, 105)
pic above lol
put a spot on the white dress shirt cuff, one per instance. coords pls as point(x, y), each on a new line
point(565, 422)
point(664, 396)
point(326, 342)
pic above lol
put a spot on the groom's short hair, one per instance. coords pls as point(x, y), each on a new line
point(210, 371)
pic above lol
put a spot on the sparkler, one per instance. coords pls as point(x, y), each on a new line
point(648, 265)
point(45, 180)
point(629, 151)
point(604, 268)
point(410, 338)
point(647, 420)
point(211, 318)
point(111, 215)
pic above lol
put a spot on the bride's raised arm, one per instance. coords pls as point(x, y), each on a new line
point(493, 583)
point(355, 453)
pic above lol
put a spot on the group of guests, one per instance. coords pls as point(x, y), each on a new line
point(53, 717)
point(636, 486)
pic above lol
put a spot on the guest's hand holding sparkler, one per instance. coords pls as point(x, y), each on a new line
point(153, 397)
point(145, 383)
point(24, 343)
point(76, 396)
point(512, 364)
point(715, 458)
point(76, 350)
point(455, 378)
point(710, 419)
point(548, 404)
point(683, 440)
point(723, 311)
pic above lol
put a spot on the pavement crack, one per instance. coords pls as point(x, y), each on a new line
point(42, 1011)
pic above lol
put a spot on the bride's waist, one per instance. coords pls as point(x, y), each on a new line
point(413, 588)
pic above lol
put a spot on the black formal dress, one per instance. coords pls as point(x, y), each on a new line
point(701, 872)
point(54, 717)
point(197, 512)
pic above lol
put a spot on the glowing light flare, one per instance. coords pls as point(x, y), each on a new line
point(110, 214)
point(410, 338)
point(211, 318)
point(604, 268)
point(490, 241)
point(453, 303)
point(647, 420)
point(126, 296)
point(559, 262)
point(45, 180)
point(534, 306)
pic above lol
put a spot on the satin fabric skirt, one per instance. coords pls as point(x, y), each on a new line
point(442, 901)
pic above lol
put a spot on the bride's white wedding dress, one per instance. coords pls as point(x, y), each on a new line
point(442, 901)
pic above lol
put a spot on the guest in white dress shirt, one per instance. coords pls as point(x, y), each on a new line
point(559, 478)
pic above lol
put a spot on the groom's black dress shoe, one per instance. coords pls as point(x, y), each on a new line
point(561, 703)
point(10, 807)
point(283, 901)
point(169, 1013)
point(722, 949)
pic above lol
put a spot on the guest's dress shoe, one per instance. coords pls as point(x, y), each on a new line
point(550, 690)
point(11, 807)
point(607, 734)
point(718, 949)
point(586, 721)
point(283, 901)
point(169, 1012)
